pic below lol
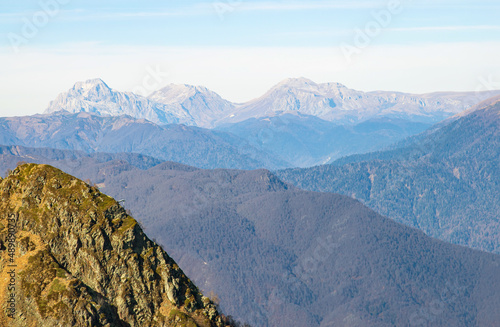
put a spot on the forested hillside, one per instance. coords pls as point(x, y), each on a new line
point(445, 183)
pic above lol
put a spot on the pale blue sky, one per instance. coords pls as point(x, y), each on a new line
point(241, 48)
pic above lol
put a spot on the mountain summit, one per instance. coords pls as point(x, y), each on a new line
point(76, 258)
point(300, 82)
point(95, 96)
point(173, 104)
point(92, 88)
point(203, 105)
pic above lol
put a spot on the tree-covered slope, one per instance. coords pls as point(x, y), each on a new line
point(279, 256)
point(446, 182)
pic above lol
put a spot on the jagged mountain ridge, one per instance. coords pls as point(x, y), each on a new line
point(81, 260)
point(198, 106)
point(335, 102)
point(173, 104)
point(95, 96)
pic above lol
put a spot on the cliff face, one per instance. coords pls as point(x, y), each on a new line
point(71, 256)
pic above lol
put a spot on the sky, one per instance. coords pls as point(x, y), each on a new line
point(240, 49)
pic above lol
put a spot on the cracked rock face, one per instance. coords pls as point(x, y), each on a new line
point(80, 260)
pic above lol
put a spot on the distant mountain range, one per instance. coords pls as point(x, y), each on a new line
point(198, 106)
point(298, 123)
point(445, 181)
point(337, 103)
point(280, 256)
point(277, 142)
point(89, 133)
point(306, 141)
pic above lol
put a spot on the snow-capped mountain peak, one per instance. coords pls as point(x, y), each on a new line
point(91, 88)
point(199, 106)
point(300, 82)
point(336, 102)
point(96, 97)
point(89, 84)
point(176, 93)
point(174, 104)
point(204, 105)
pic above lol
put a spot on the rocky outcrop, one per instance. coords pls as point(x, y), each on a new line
point(72, 256)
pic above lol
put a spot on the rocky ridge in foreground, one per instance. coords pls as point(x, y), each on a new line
point(76, 258)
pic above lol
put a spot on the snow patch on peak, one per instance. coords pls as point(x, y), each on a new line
point(336, 86)
point(96, 97)
point(174, 93)
point(203, 105)
point(299, 82)
point(90, 84)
